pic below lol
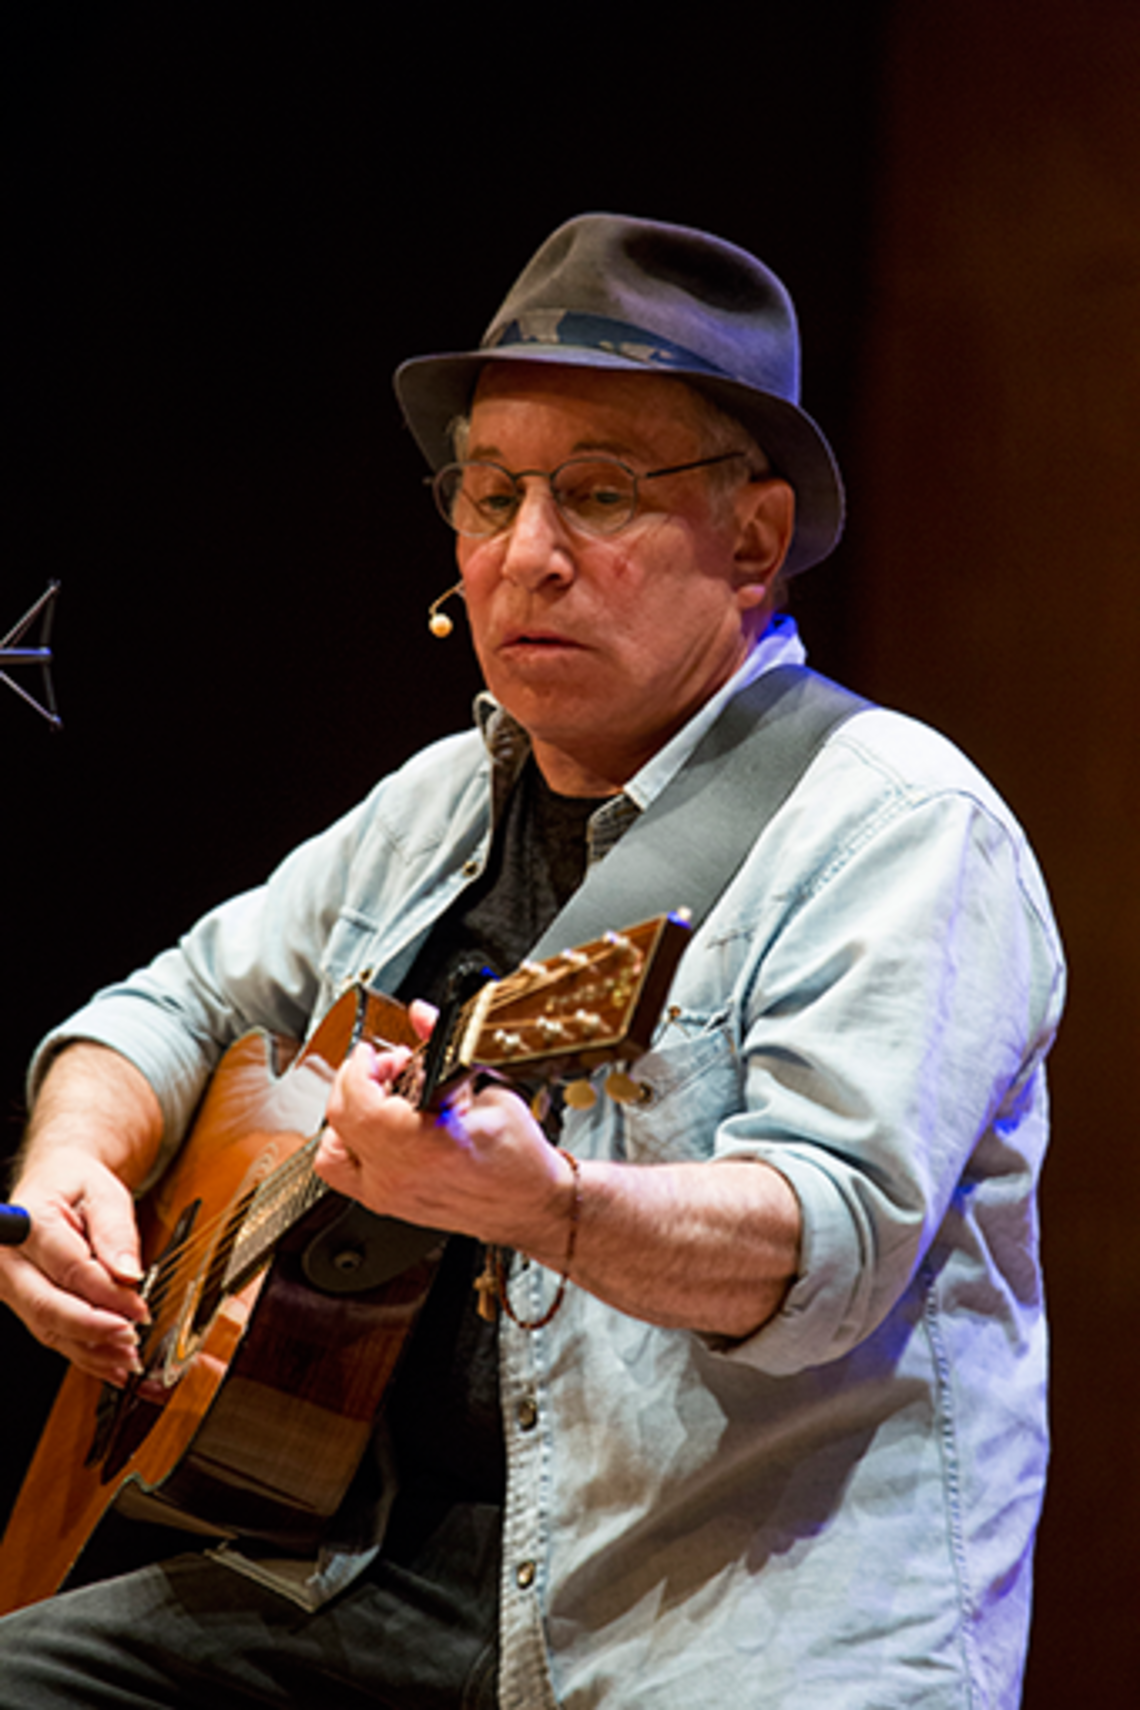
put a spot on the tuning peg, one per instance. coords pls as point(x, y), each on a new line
point(623, 1089)
point(579, 1095)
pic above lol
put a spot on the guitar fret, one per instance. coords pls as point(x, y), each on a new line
point(278, 1203)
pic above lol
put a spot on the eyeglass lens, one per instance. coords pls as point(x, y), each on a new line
point(597, 494)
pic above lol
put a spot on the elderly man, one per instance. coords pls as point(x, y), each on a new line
point(761, 1420)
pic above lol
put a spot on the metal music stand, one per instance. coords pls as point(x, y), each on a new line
point(15, 1224)
point(11, 653)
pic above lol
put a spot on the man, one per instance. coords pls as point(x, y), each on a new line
point(762, 1419)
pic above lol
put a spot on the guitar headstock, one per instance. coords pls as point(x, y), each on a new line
point(594, 1004)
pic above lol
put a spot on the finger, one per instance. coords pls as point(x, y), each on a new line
point(423, 1017)
point(67, 1261)
point(368, 1072)
point(106, 1368)
point(335, 1161)
point(108, 1222)
point(85, 1237)
point(69, 1324)
point(361, 1084)
point(115, 1243)
point(113, 1360)
point(386, 1067)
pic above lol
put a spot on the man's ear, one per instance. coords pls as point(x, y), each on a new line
point(766, 520)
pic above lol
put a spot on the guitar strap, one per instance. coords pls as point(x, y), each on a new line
point(682, 852)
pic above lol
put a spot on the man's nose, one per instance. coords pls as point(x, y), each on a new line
point(538, 543)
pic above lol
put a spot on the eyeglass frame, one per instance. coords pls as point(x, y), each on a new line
point(549, 476)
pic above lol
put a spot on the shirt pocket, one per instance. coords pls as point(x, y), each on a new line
point(687, 1085)
point(346, 956)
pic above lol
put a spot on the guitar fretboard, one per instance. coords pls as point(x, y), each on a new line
point(269, 1212)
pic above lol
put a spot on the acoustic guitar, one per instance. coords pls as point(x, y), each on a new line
point(276, 1326)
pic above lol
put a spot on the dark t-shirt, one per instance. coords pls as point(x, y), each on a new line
point(443, 1412)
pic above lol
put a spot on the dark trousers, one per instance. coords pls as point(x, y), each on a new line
point(193, 1632)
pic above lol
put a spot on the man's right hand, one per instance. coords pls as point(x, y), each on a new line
point(75, 1281)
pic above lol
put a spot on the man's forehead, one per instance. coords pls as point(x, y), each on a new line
point(644, 399)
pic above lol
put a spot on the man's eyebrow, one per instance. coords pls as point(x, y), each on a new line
point(491, 453)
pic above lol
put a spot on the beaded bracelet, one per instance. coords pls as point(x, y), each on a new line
point(492, 1284)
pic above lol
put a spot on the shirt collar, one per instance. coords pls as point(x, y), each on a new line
point(780, 644)
point(508, 744)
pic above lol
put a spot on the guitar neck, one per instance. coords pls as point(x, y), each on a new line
point(268, 1212)
point(585, 1007)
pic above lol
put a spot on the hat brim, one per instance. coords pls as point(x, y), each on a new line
point(434, 391)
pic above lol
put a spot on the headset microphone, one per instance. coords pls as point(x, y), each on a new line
point(439, 623)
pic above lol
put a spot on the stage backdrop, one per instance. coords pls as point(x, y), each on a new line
point(224, 228)
point(998, 515)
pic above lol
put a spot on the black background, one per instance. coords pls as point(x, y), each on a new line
point(223, 228)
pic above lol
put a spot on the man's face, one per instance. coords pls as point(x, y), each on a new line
point(602, 646)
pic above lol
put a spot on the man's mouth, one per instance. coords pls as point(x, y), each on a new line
point(525, 640)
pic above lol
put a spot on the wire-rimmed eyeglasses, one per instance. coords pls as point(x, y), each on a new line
point(596, 495)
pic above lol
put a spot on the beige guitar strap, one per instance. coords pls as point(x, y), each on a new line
point(684, 849)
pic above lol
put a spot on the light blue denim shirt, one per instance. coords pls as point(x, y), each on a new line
point(839, 1511)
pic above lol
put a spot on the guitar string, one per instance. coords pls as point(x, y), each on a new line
point(277, 1194)
point(277, 1190)
point(277, 1201)
point(188, 1253)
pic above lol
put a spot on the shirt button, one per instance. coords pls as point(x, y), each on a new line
point(527, 1414)
point(470, 869)
point(524, 1575)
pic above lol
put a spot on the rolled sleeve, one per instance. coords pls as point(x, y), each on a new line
point(892, 1059)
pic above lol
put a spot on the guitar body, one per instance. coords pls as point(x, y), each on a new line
point(278, 1317)
point(255, 1411)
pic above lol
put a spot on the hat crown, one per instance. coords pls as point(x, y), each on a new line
point(612, 292)
point(658, 294)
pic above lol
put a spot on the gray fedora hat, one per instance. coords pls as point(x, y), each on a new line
point(607, 291)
